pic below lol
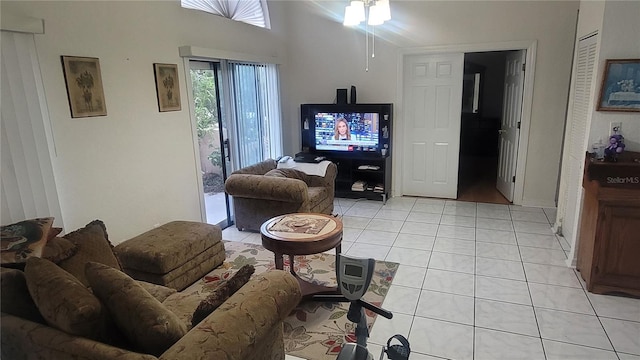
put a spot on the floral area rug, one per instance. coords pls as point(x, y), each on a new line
point(314, 330)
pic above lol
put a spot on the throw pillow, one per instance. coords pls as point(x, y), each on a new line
point(221, 294)
point(161, 293)
point(55, 231)
point(15, 298)
point(148, 325)
point(58, 249)
point(64, 302)
point(93, 245)
point(23, 240)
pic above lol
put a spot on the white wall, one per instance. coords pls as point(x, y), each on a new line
point(135, 167)
point(620, 39)
point(324, 55)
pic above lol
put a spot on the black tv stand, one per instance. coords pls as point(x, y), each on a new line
point(359, 161)
point(374, 171)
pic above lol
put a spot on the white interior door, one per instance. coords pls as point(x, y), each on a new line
point(433, 104)
point(509, 127)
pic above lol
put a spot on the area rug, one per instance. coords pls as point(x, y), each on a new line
point(314, 330)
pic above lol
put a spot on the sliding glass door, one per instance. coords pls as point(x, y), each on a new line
point(237, 111)
point(212, 131)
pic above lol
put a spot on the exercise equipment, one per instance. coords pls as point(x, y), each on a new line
point(354, 276)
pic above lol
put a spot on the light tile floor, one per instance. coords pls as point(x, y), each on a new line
point(482, 281)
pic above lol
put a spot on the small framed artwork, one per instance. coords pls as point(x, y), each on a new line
point(84, 86)
point(167, 87)
point(620, 90)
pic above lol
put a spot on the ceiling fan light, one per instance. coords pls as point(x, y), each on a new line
point(375, 15)
point(358, 7)
point(385, 9)
point(350, 16)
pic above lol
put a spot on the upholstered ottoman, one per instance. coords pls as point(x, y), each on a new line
point(174, 255)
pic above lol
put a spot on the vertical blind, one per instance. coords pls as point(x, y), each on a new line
point(28, 186)
point(256, 105)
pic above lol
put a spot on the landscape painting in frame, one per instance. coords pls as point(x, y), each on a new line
point(620, 89)
point(167, 87)
point(84, 86)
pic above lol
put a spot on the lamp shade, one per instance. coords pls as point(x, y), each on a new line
point(359, 10)
point(350, 16)
point(375, 15)
point(385, 9)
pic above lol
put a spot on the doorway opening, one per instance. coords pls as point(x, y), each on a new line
point(432, 83)
point(484, 109)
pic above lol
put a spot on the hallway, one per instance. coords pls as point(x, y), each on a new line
point(477, 180)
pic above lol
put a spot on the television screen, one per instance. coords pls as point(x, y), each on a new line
point(352, 131)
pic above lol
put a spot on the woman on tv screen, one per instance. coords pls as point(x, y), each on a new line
point(342, 131)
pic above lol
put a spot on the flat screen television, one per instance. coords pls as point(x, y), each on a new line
point(347, 129)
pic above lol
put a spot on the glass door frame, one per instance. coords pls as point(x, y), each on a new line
point(226, 132)
point(231, 132)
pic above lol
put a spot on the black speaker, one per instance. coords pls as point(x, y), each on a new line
point(341, 96)
point(353, 95)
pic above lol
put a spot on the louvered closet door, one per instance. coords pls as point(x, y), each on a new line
point(577, 135)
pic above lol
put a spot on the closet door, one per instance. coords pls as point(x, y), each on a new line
point(433, 90)
point(576, 134)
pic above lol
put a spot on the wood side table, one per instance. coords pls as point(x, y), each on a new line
point(302, 234)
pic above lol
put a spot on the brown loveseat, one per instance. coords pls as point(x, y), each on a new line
point(248, 325)
point(261, 192)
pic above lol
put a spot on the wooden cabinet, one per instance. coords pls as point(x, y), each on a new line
point(609, 238)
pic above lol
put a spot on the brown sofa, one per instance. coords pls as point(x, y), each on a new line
point(261, 192)
point(246, 326)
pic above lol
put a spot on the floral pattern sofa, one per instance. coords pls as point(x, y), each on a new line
point(248, 325)
point(262, 191)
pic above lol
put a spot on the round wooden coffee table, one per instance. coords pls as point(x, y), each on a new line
point(302, 234)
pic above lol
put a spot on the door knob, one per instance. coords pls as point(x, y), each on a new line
point(502, 131)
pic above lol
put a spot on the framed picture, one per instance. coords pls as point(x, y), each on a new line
point(84, 86)
point(620, 90)
point(167, 87)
